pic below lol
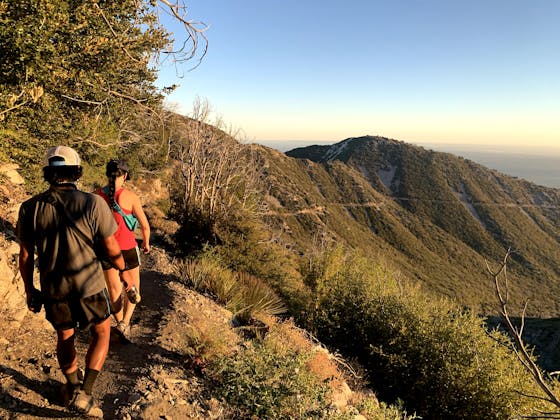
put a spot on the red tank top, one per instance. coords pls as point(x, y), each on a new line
point(124, 236)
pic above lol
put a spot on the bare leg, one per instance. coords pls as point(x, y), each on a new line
point(115, 288)
point(99, 345)
point(66, 351)
point(130, 276)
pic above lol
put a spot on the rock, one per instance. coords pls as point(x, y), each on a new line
point(134, 397)
point(10, 171)
point(341, 395)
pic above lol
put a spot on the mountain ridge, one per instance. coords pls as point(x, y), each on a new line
point(419, 205)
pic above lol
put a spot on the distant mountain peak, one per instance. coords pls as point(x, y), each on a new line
point(341, 150)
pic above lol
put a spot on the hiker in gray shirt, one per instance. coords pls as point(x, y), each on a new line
point(64, 226)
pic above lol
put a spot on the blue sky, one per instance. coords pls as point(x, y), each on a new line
point(437, 71)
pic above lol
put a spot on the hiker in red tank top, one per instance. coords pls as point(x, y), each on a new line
point(124, 203)
point(125, 237)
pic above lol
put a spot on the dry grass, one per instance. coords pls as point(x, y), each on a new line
point(208, 339)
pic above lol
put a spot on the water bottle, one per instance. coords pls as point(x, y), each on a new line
point(133, 295)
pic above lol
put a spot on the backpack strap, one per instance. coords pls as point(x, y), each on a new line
point(130, 220)
point(52, 200)
point(115, 206)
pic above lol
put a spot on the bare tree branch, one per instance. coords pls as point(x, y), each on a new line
point(84, 101)
point(501, 287)
point(218, 173)
point(195, 30)
point(113, 32)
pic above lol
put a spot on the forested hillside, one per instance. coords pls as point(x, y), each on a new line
point(437, 216)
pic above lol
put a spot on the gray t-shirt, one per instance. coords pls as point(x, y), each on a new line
point(68, 264)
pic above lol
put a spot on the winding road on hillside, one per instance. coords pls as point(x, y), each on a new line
point(378, 205)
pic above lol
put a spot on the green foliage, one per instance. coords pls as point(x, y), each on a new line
point(263, 381)
point(65, 62)
point(247, 245)
point(374, 410)
point(438, 359)
point(80, 74)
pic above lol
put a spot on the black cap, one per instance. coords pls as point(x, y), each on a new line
point(116, 165)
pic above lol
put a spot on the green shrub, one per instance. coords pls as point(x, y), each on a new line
point(373, 410)
point(196, 230)
point(438, 359)
point(263, 382)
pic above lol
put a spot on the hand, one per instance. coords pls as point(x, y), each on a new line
point(127, 280)
point(146, 247)
point(34, 300)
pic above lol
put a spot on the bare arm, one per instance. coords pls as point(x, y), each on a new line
point(138, 211)
point(114, 252)
point(26, 262)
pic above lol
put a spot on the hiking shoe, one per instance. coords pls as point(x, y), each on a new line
point(124, 331)
point(68, 390)
point(83, 403)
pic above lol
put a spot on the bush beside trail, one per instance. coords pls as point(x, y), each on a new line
point(435, 357)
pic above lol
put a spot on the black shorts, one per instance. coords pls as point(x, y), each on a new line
point(75, 312)
point(131, 260)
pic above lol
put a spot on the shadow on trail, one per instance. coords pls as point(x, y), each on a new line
point(128, 362)
point(48, 390)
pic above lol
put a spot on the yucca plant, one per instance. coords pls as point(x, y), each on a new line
point(242, 293)
point(193, 274)
point(222, 283)
point(258, 298)
point(205, 275)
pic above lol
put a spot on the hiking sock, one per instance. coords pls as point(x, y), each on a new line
point(72, 378)
point(89, 380)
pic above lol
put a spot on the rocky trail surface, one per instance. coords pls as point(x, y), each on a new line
point(148, 378)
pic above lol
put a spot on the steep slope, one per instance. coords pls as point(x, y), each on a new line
point(176, 330)
point(434, 216)
point(138, 380)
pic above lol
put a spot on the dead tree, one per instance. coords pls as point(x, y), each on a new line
point(218, 173)
point(501, 287)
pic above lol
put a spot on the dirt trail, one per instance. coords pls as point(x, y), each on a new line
point(145, 379)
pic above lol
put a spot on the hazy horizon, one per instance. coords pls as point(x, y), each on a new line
point(436, 70)
point(540, 165)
